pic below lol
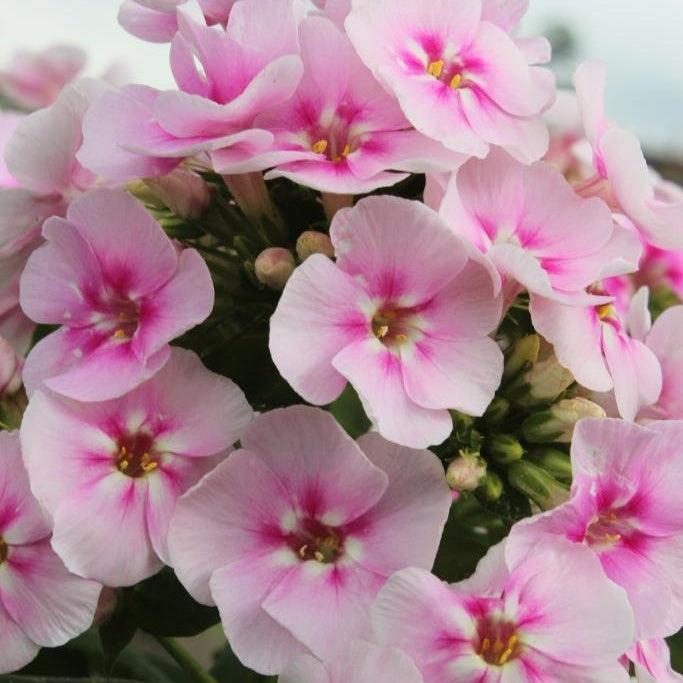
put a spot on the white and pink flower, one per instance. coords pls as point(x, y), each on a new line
point(121, 291)
point(552, 616)
point(41, 603)
point(109, 473)
point(294, 534)
point(403, 315)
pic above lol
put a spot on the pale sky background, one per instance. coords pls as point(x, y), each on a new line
point(640, 40)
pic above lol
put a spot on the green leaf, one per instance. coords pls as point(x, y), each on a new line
point(15, 678)
point(161, 606)
point(349, 412)
point(229, 669)
point(116, 632)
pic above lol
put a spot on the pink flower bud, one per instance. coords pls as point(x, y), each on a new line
point(183, 192)
point(274, 266)
point(313, 242)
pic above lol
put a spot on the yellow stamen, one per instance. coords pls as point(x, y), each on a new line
point(347, 150)
point(498, 647)
point(485, 645)
point(123, 465)
point(302, 550)
point(401, 337)
point(119, 334)
point(123, 317)
point(382, 331)
point(455, 81)
point(612, 538)
point(606, 311)
point(435, 68)
point(147, 464)
point(318, 556)
point(320, 146)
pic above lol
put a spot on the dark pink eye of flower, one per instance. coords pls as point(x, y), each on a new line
point(449, 72)
point(127, 317)
point(393, 326)
point(607, 529)
point(316, 541)
point(4, 550)
point(135, 455)
point(496, 641)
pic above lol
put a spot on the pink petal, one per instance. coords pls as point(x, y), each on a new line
point(589, 81)
point(415, 504)
point(239, 589)
point(18, 649)
point(51, 605)
point(239, 506)
point(504, 13)
point(338, 488)
point(183, 301)
point(383, 238)
point(343, 590)
point(82, 536)
point(122, 234)
point(199, 428)
point(147, 24)
point(321, 310)
point(376, 374)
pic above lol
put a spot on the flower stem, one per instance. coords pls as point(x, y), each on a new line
point(186, 662)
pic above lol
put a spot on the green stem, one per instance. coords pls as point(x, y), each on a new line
point(185, 661)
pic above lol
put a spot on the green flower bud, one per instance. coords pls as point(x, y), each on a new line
point(497, 411)
point(504, 448)
point(493, 486)
point(524, 352)
point(557, 423)
point(537, 484)
point(553, 461)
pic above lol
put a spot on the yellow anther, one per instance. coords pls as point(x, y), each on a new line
point(612, 538)
point(123, 465)
point(319, 557)
point(122, 451)
point(147, 464)
point(302, 551)
point(123, 316)
point(401, 337)
point(347, 150)
point(435, 68)
point(606, 311)
point(382, 331)
point(485, 645)
point(455, 81)
point(612, 516)
point(505, 656)
point(512, 641)
point(320, 146)
point(498, 647)
point(119, 334)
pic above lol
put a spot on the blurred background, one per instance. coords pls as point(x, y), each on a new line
point(639, 41)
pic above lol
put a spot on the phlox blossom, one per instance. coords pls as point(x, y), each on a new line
point(622, 176)
point(293, 535)
point(459, 77)
point(121, 291)
point(625, 506)
point(109, 472)
point(225, 78)
point(403, 315)
point(8, 124)
point(156, 21)
point(360, 662)
point(651, 662)
point(41, 603)
point(341, 131)
point(532, 225)
point(552, 616)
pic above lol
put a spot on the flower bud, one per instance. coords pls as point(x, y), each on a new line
point(543, 382)
point(313, 242)
point(505, 448)
point(497, 411)
point(554, 462)
point(182, 191)
point(523, 353)
point(466, 472)
point(274, 266)
point(557, 423)
point(537, 484)
point(493, 486)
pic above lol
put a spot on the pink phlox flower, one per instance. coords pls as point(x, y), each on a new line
point(458, 76)
point(625, 506)
point(552, 616)
point(403, 315)
point(537, 231)
point(109, 473)
point(622, 176)
point(33, 80)
point(41, 603)
point(121, 291)
point(341, 131)
point(155, 20)
point(225, 78)
point(293, 535)
point(603, 347)
point(651, 661)
point(8, 123)
point(360, 662)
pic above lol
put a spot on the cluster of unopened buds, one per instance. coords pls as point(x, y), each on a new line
point(385, 212)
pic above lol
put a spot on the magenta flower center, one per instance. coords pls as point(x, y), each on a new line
point(126, 317)
point(395, 326)
point(449, 73)
point(333, 148)
point(135, 455)
point(496, 641)
point(607, 529)
point(316, 541)
point(4, 550)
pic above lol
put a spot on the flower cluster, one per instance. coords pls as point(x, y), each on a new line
point(376, 209)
